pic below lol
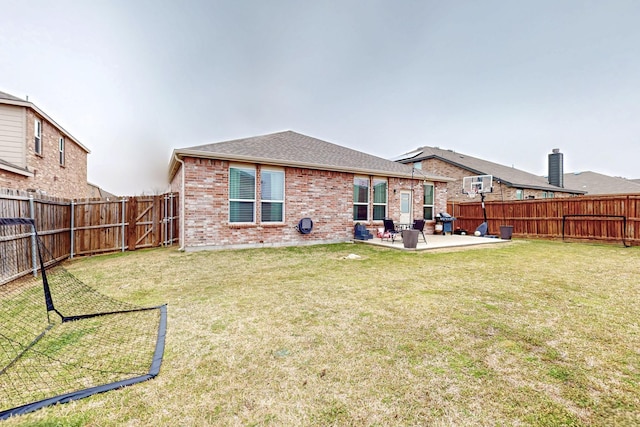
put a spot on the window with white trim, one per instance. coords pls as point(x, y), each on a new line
point(242, 194)
point(379, 199)
point(37, 132)
point(360, 199)
point(271, 195)
point(427, 205)
point(61, 150)
point(519, 194)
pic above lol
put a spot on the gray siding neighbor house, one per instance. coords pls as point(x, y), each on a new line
point(37, 154)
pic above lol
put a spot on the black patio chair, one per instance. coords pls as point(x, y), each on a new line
point(389, 230)
point(418, 224)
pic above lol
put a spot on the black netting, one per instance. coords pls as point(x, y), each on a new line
point(60, 339)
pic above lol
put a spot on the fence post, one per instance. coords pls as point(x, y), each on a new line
point(157, 228)
point(73, 212)
point(171, 201)
point(164, 221)
point(124, 220)
point(34, 247)
point(132, 215)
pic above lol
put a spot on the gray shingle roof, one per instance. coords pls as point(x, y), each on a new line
point(510, 176)
point(293, 149)
point(596, 183)
point(4, 95)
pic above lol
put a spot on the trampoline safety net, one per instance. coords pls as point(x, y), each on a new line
point(60, 339)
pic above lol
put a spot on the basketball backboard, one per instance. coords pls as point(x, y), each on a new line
point(478, 184)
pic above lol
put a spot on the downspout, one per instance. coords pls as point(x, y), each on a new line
point(182, 209)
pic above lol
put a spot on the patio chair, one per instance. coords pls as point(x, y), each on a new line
point(418, 224)
point(390, 231)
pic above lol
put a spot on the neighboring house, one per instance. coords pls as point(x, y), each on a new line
point(508, 183)
point(96, 192)
point(254, 191)
point(37, 154)
point(596, 183)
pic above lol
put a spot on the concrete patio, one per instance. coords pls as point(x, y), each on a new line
point(435, 241)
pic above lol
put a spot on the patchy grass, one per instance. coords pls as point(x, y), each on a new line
point(531, 333)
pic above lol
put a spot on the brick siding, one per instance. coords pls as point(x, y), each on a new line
point(324, 196)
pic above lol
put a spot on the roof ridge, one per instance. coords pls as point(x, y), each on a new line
point(290, 148)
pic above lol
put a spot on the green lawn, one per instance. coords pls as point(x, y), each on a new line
point(529, 333)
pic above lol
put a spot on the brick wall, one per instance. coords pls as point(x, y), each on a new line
point(324, 196)
point(49, 177)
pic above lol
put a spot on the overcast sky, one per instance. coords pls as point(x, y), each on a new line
point(506, 81)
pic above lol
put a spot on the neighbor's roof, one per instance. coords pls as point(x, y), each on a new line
point(4, 95)
point(9, 99)
point(596, 183)
point(296, 150)
point(509, 175)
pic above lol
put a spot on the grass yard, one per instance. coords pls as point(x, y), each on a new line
point(529, 333)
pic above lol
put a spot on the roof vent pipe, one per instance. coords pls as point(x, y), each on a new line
point(556, 168)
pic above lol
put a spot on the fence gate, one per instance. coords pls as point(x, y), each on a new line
point(144, 220)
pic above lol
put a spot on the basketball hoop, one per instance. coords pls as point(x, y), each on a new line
point(483, 184)
point(474, 185)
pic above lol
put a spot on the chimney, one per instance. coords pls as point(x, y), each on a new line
point(556, 168)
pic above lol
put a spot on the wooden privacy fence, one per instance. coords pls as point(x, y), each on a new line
point(84, 227)
point(99, 225)
point(614, 218)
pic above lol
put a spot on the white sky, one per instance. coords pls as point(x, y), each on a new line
point(506, 81)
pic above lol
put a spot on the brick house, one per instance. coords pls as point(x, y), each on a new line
point(509, 183)
point(253, 192)
point(37, 154)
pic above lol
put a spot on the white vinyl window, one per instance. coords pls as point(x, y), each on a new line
point(37, 132)
point(519, 194)
point(242, 194)
point(379, 199)
point(427, 207)
point(271, 195)
point(61, 150)
point(360, 199)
